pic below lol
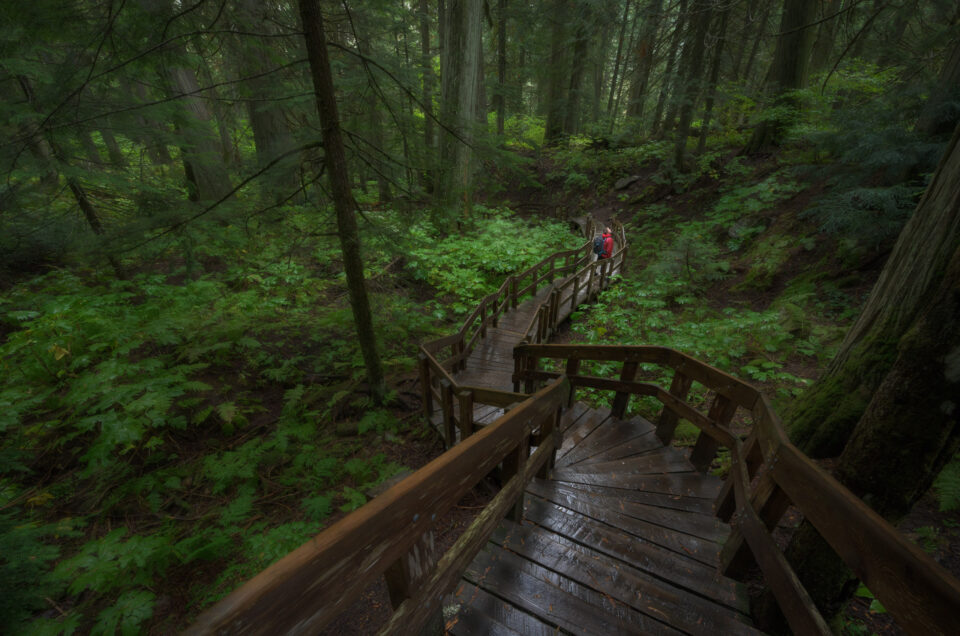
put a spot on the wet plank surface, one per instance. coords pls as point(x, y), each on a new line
point(623, 545)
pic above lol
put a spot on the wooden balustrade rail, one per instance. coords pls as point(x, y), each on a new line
point(306, 589)
point(767, 475)
point(508, 296)
point(545, 320)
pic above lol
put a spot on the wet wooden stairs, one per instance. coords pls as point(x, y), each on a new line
point(620, 539)
point(600, 525)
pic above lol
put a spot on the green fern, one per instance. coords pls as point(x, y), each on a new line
point(947, 486)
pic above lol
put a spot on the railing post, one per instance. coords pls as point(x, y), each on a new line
point(576, 289)
point(668, 419)
point(518, 361)
point(405, 576)
point(446, 401)
point(465, 399)
point(483, 318)
point(513, 465)
point(461, 363)
point(726, 503)
point(531, 365)
point(621, 399)
point(770, 502)
point(554, 310)
point(573, 368)
point(547, 427)
point(497, 308)
point(513, 292)
point(589, 295)
point(536, 276)
point(425, 385)
point(721, 412)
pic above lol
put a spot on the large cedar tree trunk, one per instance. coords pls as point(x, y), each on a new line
point(821, 420)
point(336, 165)
point(788, 71)
point(643, 58)
point(459, 94)
point(693, 67)
point(910, 427)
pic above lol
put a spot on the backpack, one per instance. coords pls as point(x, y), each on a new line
point(598, 245)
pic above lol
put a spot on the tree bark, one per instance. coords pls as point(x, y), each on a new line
point(501, 65)
point(826, 37)
point(459, 95)
point(714, 79)
point(788, 71)
point(571, 125)
point(693, 65)
point(941, 113)
point(272, 136)
point(644, 59)
point(668, 73)
point(821, 420)
point(910, 428)
point(556, 96)
point(343, 202)
point(616, 60)
point(426, 98)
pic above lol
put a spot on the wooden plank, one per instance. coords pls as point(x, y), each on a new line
point(705, 551)
point(643, 444)
point(313, 583)
point(721, 412)
point(583, 428)
point(697, 505)
point(690, 485)
point(555, 599)
point(918, 593)
point(698, 524)
point(574, 528)
point(643, 592)
point(610, 435)
point(471, 622)
point(471, 598)
point(572, 415)
point(662, 461)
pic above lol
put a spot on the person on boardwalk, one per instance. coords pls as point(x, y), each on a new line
point(607, 244)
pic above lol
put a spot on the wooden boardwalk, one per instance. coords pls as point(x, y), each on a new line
point(621, 539)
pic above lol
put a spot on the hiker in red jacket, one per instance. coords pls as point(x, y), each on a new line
point(607, 243)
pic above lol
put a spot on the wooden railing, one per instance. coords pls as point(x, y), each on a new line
point(436, 370)
point(590, 275)
point(767, 475)
point(391, 535)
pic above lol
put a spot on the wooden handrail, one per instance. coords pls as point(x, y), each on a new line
point(917, 592)
point(310, 586)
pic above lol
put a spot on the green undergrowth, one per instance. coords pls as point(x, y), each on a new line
point(167, 436)
point(673, 297)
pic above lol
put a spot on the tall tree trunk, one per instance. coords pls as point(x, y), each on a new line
point(821, 420)
point(272, 136)
point(788, 70)
point(201, 149)
point(941, 111)
point(644, 58)
point(556, 96)
point(426, 98)
point(117, 157)
point(661, 126)
point(336, 164)
point(571, 125)
point(826, 37)
point(910, 427)
point(616, 60)
point(693, 65)
point(501, 65)
point(714, 79)
point(459, 91)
